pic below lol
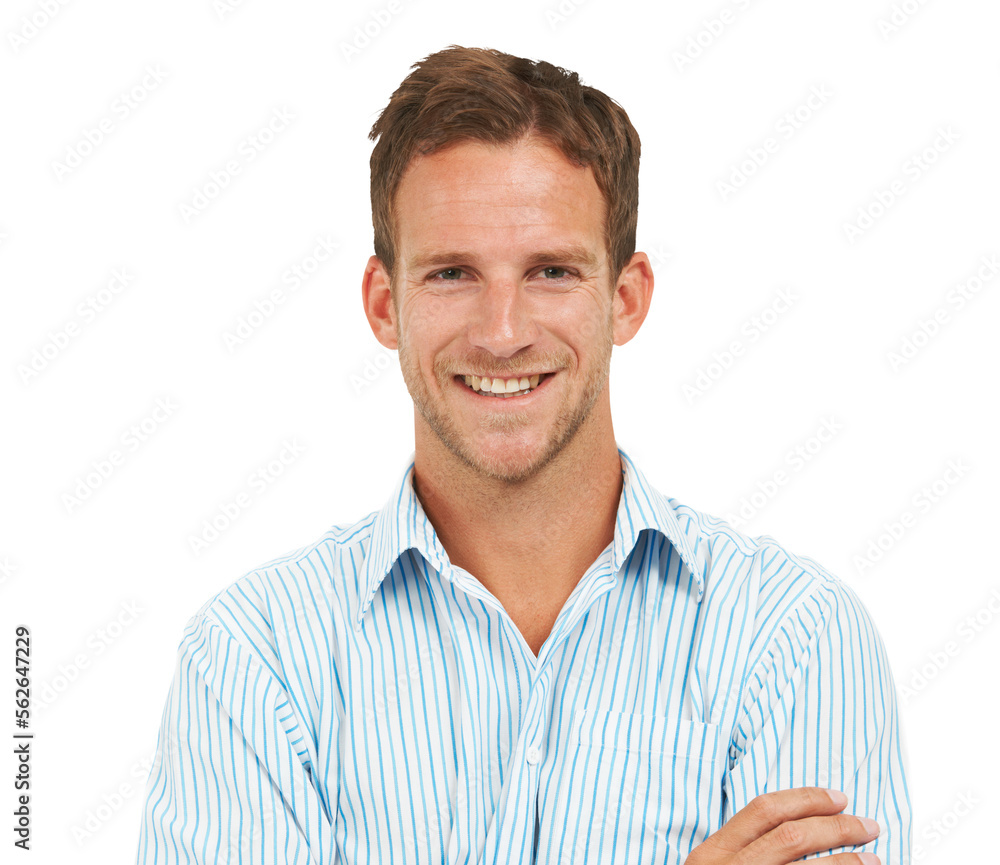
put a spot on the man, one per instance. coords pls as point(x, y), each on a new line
point(529, 654)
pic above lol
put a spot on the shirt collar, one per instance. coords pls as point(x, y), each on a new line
point(402, 524)
point(644, 507)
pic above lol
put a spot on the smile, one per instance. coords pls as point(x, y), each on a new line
point(504, 388)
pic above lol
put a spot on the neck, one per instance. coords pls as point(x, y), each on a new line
point(529, 543)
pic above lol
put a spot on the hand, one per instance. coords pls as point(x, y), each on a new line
point(782, 827)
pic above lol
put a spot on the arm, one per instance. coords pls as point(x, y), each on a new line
point(231, 780)
point(779, 828)
point(820, 710)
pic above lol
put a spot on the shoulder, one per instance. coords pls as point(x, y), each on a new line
point(313, 581)
point(796, 610)
point(784, 583)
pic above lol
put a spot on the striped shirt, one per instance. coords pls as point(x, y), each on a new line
point(363, 700)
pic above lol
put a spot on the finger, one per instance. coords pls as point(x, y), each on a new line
point(770, 810)
point(790, 841)
point(849, 859)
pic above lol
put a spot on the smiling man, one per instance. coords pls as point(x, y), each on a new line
point(502, 305)
point(529, 654)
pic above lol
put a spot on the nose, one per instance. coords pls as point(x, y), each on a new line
point(504, 322)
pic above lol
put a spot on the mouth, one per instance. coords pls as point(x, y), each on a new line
point(504, 388)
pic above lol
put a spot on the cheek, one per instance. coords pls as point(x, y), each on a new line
point(585, 327)
point(429, 319)
point(424, 338)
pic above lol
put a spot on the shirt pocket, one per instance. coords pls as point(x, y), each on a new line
point(633, 788)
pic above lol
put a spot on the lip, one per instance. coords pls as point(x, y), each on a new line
point(510, 402)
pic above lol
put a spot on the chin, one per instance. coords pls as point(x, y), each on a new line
point(509, 463)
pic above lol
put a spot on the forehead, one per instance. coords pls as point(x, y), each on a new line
point(496, 198)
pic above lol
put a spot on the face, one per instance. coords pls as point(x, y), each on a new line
point(502, 283)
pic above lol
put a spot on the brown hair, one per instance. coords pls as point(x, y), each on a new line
point(486, 95)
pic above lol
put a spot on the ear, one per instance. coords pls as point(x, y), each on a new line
point(377, 299)
point(632, 297)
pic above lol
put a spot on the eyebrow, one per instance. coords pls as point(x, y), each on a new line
point(573, 254)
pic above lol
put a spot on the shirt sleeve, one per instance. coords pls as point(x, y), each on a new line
point(820, 709)
point(230, 781)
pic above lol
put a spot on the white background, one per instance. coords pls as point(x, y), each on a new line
point(73, 214)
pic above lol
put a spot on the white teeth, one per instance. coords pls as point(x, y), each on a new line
point(503, 388)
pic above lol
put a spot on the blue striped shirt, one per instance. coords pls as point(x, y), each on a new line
point(363, 700)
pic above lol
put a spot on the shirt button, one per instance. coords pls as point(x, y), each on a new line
point(533, 755)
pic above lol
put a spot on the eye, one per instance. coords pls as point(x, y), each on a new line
point(555, 273)
point(449, 273)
